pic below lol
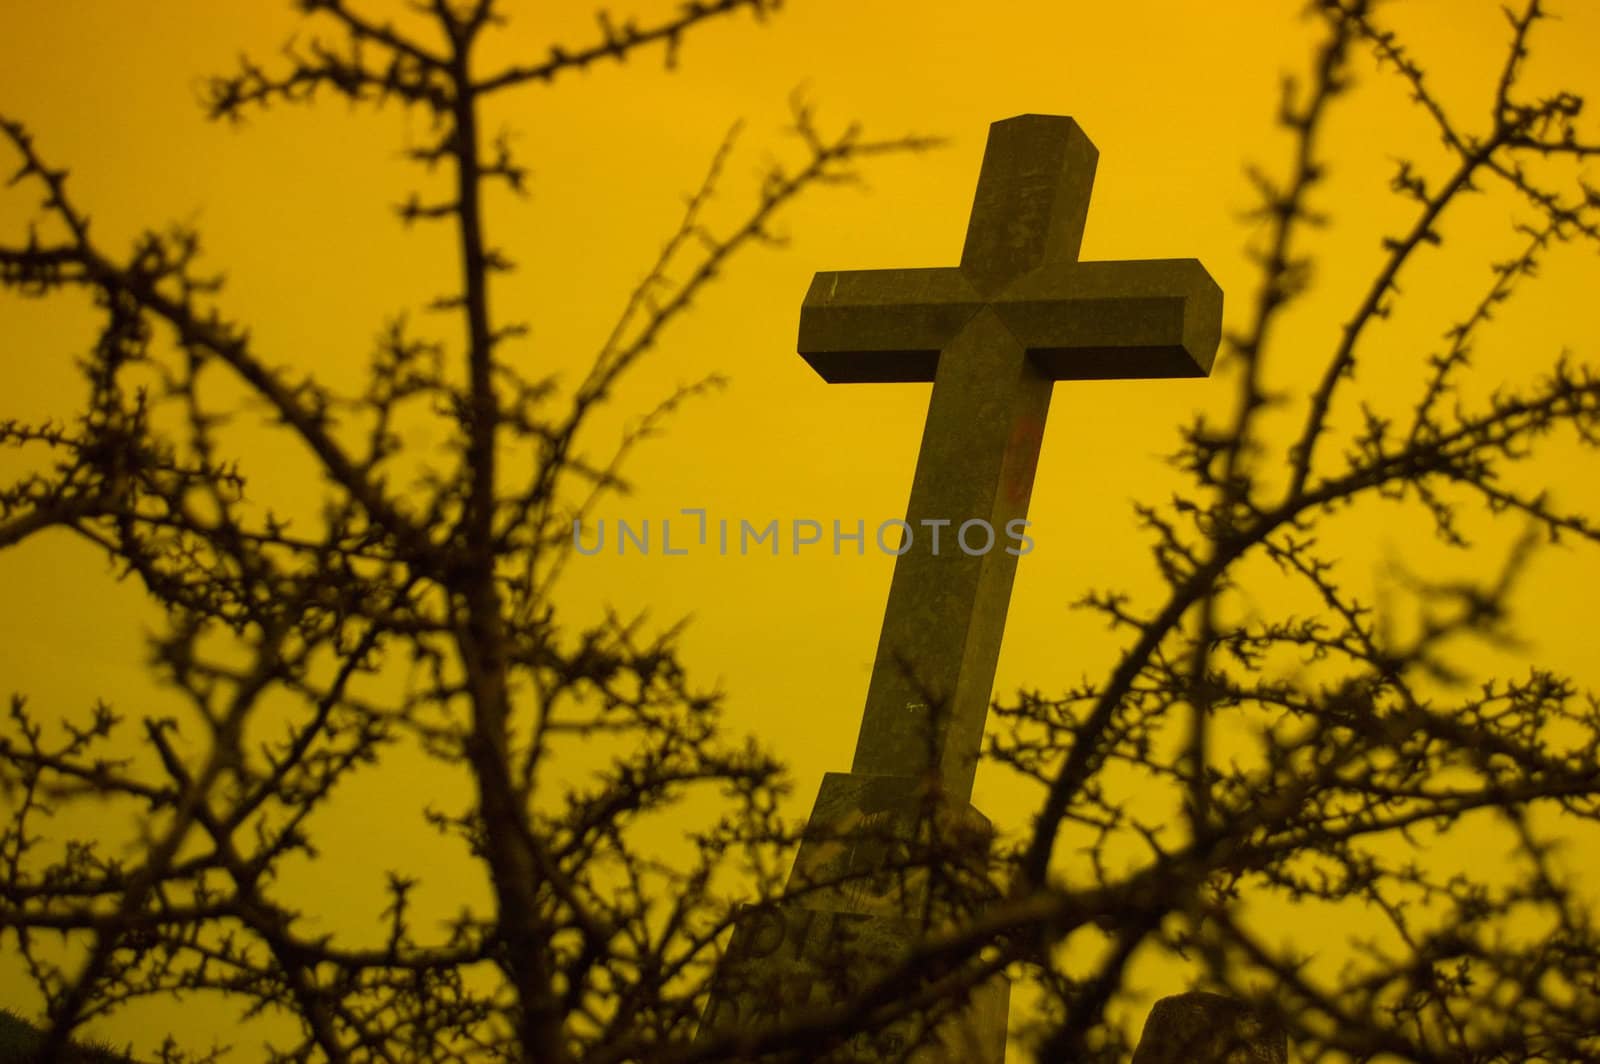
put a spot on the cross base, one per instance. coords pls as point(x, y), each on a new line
point(860, 897)
point(1202, 1028)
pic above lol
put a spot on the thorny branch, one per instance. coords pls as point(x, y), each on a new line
point(1342, 733)
point(456, 575)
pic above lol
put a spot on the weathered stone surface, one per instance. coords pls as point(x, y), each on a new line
point(1116, 320)
point(786, 961)
point(1032, 199)
point(1202, 1028)
point(855, 909)
point(871, 839)
point(875, 326)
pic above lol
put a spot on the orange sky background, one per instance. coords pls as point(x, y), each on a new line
point(1177, 96)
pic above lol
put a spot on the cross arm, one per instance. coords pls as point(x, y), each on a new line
point(883, 326)
point(1116, 320)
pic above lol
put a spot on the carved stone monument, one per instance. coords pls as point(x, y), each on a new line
point(993, 334)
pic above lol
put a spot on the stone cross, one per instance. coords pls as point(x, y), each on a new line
point(992, 334)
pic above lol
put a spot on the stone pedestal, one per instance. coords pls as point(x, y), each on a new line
point(1201, 1028)
point(853, 911)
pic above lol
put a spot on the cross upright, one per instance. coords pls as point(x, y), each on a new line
point(992, 334)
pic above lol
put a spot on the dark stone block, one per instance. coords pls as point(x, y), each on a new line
point(870, 840)
point(855, 910)
point(1202, 1028)
point(788, 961)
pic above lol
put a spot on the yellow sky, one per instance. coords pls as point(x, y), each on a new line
point(1176, 95)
